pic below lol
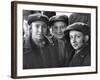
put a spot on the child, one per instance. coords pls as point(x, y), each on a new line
point(79, 38)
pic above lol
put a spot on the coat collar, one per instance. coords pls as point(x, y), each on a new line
point(84, 51)
point(29, 43)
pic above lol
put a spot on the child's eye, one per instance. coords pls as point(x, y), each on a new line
point(78, 36)
point(44, 26)
point(62, 27)
point(55, 27)
point(37, 26)
point(71, 37)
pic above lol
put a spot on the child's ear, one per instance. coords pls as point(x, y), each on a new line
point(86, 38)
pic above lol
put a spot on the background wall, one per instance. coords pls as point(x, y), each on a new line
point(5, 40)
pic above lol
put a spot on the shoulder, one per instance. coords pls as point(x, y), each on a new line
point(86, 56)
point(85, 51)
point(26, 43)
point(87, 60)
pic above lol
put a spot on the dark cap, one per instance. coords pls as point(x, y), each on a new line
point(37, 17)
point(63, 18)
point(79, 26)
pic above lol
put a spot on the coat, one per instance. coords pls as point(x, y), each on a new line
point(82, 58)
point(40, 57)
point(63, 47)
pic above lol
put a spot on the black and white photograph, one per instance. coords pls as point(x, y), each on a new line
point(53, 39)
point(48, 36)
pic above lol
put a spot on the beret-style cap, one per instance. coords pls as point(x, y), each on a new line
point(37, 17)
point(79, 26)
point(63, 18)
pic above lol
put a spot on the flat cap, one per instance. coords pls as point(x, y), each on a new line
point(79, 26)
point(37, 17)
point(63, 18)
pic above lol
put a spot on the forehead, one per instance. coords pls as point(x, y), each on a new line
point(59, 23)
point(38, 22)
point(75, 32)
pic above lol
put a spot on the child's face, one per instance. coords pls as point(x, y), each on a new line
point(39, 29)
point(76, 39)
point(58, 29)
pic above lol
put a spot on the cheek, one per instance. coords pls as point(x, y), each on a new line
point(63, 29)
point(71, 41)
point(54, 30)
point(80, 42)
point(45, 30)
point(33, 30)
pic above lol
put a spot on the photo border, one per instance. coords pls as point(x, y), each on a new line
point(14, 37)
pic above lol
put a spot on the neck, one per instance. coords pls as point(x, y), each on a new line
point(39, 42)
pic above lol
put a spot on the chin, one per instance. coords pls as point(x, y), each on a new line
point(39, 38)
point(76, 48)
point(59, 37)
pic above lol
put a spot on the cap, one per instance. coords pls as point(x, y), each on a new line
point(26, 13)
point(37, 17)
point(79, 26)
point(63, 18)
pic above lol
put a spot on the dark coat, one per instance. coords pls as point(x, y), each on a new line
point(40, 57)
point(82, 58)
point(63, 47)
